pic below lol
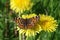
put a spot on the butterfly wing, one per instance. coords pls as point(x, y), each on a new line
point(32, 21)
point(35, 19)
point(20, 22)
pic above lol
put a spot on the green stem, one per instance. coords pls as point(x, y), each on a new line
point(20, 38)
point(51, 6)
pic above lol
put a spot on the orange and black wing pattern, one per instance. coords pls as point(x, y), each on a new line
point(32, 21)
point(27, 23)
point(19, 22)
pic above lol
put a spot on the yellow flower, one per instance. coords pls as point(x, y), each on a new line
point(48, 23)
point(32, 31)
point(28, 16)
point(20, 5)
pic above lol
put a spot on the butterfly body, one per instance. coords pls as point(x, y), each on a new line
point(27, 23)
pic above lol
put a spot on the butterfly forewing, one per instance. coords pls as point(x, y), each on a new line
point(20, 21)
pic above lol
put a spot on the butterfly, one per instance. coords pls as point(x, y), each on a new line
point(27, 23)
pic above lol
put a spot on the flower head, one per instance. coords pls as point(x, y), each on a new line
point(48, 23)
point(20, 5)
point(30, 31)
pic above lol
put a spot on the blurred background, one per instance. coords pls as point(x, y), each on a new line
point(7, 24)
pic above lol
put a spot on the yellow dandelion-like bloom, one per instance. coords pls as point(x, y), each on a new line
point(28, 16)
point(20, 5)
point(32, 31)
point(48, 23)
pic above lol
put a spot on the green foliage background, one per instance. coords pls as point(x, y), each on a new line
point(7, 29)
